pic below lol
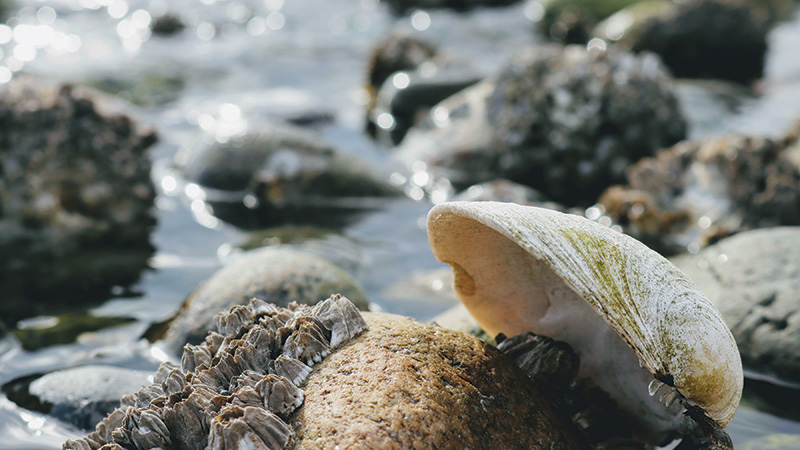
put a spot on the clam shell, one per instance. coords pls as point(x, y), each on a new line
point(521, 269)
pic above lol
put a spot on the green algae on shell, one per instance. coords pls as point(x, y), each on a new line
point(520, 269)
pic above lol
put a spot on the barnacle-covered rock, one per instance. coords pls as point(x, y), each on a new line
point(232, 387)
point(76, 197)
point(697, 192)
point(563, 120)
point(278, 275)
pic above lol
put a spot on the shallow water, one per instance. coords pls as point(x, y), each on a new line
point(239, 61)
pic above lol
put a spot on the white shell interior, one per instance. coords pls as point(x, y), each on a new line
point(508, 296)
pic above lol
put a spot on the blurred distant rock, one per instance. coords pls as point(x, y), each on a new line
point(167, 24)
point(75, 197)
point(697, 192)
point(698, 38)
point(278, 174)
point(571, 21)
point(563, 120)
point(403, 6)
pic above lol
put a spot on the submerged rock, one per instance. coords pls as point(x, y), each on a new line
point(571, 21)
point(403, 6)
point(279, 275)
point(75, 197)
point(697, 192)
point(81, 396)
point(696, 39)
point(280, 174)
point(324, 377)
point(754, 280)
point(563, 120)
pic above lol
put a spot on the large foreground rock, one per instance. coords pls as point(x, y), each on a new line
point(408, 385)
point(75, 197)
point(326, 378)
point(754, 280)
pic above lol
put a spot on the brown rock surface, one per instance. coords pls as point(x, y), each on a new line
point(407, 385)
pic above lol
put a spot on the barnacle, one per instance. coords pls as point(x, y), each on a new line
point(233, 389)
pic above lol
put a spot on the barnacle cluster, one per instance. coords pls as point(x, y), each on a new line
point(237, 388)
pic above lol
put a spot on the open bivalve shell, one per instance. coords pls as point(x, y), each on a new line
point(635, 320)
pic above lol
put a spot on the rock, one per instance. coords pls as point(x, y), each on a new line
point(407, 97)
point(697, 192)
point(397, 52)
point(753, 279)
point(697, 39)
point(277, 274)
point(571, 21)
point(403, 6)
point(403, 384)
point(76, 197)
point(81, 396)
point(562, 120)
point(40, 332)
point(773, 442)
point(502, 190)
point(167, 24)
point(326, 377)
point(280, 174)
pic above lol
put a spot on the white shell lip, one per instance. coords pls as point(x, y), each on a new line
point(503, 254)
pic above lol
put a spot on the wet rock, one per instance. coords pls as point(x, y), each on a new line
point(773, 442)
point(81, 396)
point(277, 274)
point(507, 191)
point(403, 6)
point(407, 385)
point(408, 96)
point(697, 192)
point(697, 39)
point(75, 197)
point(397, 52)
point(41, 332)
point(753, 279)
point(562, 120)
point(278, 174)
point(571, 21)
point(167, 24)
point(388, 382)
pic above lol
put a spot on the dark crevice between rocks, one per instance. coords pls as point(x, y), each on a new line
point(553, 366)
point(18, 392)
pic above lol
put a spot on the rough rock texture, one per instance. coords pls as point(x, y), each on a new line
point(754, 281)
point(697, 192)
point(407, 385)
point(75, 196)
point(278, 275)
point(236, 389)
point(280, 174)
point(389, 382)
point(704, 38)
point(562, 120)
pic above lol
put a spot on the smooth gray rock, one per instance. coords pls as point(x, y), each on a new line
point(753, 278)
point(84, 395)
point(278, 275)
